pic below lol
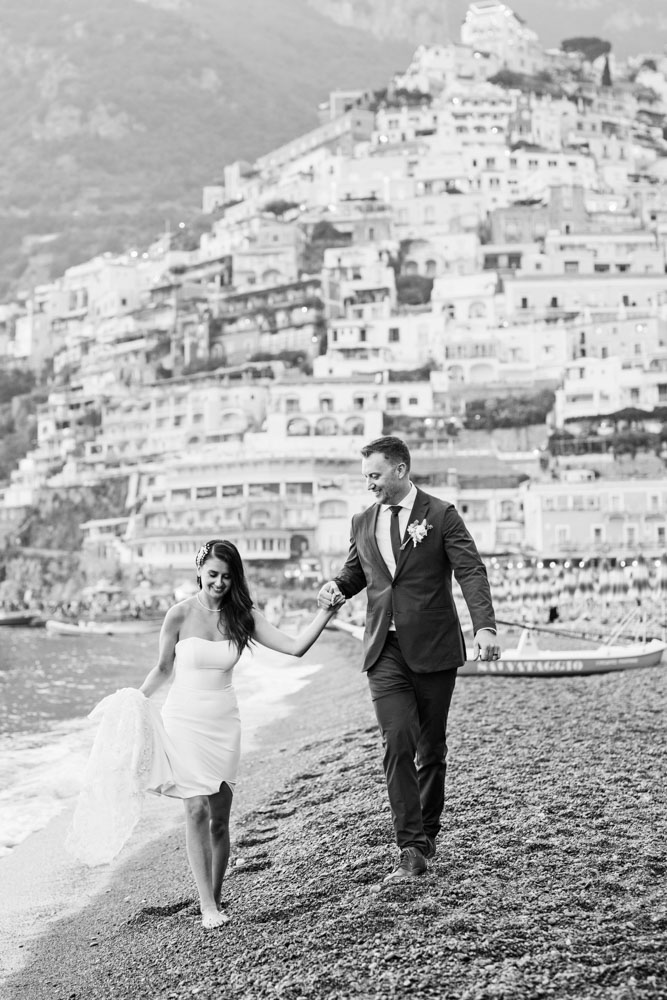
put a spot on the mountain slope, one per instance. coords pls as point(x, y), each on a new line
point(114, 114)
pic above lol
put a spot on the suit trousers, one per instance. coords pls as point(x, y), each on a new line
point(411, 710)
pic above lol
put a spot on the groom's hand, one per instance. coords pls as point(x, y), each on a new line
point(330, 596)
point(486, 645)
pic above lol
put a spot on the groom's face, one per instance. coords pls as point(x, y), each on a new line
point(387, 482)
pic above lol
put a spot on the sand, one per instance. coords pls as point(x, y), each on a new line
point(547, 882)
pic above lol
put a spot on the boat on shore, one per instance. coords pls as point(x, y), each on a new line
point(21, 619)
point(527, 660)
point(128, 626)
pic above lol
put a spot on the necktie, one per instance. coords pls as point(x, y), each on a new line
point(394, 532)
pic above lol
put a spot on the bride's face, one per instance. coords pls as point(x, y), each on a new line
point(216, 579)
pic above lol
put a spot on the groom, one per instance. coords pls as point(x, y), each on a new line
point(404, 549)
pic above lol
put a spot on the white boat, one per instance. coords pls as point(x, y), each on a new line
point(527, 660)
point(127, 626)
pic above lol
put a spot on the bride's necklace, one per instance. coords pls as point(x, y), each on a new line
point(215, 611)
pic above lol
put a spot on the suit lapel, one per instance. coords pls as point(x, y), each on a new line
point(418, 513)
point(371, 527)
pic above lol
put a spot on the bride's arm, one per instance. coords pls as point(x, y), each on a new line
point(162, 670)
point(295, 645)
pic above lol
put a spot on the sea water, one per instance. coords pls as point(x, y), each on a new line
point(49, 684)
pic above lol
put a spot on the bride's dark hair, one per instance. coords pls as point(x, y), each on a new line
point(237, 604)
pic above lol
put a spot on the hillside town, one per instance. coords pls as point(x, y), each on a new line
point(473, 259)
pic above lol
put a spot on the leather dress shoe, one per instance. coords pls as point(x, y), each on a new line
point(430, 847)
point(411, 864)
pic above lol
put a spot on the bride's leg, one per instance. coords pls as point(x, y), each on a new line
point(198, 844)
point(220, 805)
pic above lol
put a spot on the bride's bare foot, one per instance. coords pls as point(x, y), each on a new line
point(214, 918)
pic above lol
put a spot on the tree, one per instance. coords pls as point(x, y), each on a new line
point(606, 73)
point(591, 48)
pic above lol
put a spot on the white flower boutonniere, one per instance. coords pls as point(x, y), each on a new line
point(417, 531)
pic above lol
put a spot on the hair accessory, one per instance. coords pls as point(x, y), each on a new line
point(202, 554)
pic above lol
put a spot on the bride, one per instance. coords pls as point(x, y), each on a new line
point(192, 752)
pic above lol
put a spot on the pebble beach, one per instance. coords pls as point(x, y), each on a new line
point(548, 881)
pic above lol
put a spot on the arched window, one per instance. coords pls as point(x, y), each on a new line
point(333, 508)
point(326, 426)
point(259, 519)
point(354, 425)
point(298, 427)
point(477, 310)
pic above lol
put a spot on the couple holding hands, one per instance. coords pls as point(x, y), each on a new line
point(404, 549)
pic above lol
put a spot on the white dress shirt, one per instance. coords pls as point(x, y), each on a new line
point(383, 525)
point(383, 529)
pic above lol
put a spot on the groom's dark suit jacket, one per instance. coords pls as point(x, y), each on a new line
point(419, 597)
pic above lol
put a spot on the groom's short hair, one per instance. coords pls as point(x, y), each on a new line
point(393, 449)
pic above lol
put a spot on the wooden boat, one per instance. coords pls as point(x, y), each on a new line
point(527, 660)
point(128, 626)
point(20, 619)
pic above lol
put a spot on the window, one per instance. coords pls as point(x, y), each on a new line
point(524, 303)
point(562, 534)
point(299, 489)
point(394, 334)
point(601, 268)
point(572, 267)
point(413, 401)
point(597, 533)
point(232, 490)
point(553, 304)
point(205, 492)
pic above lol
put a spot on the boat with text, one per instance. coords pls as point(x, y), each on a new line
point(528, 660)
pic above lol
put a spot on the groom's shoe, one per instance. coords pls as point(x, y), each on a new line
point(411, 864)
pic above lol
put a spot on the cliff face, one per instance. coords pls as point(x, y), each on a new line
point(114, 113)
point(419, 21)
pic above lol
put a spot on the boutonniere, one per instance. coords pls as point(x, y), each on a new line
point(417, 531)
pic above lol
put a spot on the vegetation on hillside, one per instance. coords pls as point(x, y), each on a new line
point(509, 411)
point(114, 115)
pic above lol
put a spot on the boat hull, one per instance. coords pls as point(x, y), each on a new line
point(568, 663)
point(20, 619)
point(565, 663)
point(130, 627)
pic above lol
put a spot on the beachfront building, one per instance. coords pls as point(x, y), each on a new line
point(290, 499)
point(594, 518)
point(277, 504)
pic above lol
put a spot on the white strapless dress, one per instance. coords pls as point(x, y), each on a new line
point(201, 719)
